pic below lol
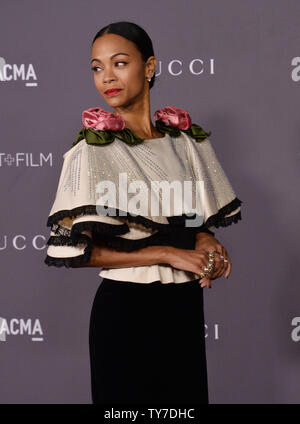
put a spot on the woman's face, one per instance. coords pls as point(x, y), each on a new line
point(117, 63)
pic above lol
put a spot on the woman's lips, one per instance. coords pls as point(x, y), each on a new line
point(112, 92)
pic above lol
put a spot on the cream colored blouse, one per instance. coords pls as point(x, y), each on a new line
point(73, 217)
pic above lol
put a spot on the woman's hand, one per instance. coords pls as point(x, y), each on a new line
point(208, 243)
point(186, 259)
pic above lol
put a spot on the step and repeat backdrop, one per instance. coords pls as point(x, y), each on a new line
point(235, 66)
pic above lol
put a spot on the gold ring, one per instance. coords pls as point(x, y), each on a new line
point(211, 262)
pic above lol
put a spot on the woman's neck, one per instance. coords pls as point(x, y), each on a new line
point(138, 120)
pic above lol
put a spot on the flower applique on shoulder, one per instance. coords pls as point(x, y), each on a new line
point(101, 127)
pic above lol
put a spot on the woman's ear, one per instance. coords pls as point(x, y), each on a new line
point(150, 66)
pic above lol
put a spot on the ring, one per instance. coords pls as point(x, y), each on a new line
point(223, 259)
point(211, 262)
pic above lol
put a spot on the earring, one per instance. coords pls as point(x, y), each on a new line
point(149, 79)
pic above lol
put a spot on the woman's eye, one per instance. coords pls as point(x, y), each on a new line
point(95, 68)
point(121, 62)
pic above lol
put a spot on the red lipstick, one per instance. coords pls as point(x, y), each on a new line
point(113, 91)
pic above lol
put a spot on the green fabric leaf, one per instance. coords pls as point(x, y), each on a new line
point(197, 132)
point(103, 137)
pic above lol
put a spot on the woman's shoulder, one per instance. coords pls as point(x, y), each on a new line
point(175, 121)
point(75, 146)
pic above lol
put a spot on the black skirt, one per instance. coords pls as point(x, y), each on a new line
point(147, 343)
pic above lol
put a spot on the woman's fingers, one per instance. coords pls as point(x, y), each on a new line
point(205, 281)
point(220, 267)
point(225, 264)
point(223, 268)
point(228, 263)
point(229, 266)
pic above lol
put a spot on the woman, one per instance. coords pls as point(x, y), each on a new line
point(147, 341)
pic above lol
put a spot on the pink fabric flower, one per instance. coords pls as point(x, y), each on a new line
point(100, 119)
point(174, 116)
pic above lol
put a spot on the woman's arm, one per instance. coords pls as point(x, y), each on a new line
point(107, 257)
point(182, 259)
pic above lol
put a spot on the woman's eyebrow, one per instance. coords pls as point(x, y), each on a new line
point(116, 54)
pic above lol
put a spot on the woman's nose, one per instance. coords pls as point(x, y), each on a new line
point(108, 76)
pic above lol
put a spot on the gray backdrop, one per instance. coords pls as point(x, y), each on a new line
point(242, 87)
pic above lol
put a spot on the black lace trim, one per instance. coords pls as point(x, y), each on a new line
point(84, 210)
point(178, 238)
point(183, 241)
point(67, 262)
point(172, 234)
point(67, 241)
point(219, 219)
point(100, 227)
point(216, 220)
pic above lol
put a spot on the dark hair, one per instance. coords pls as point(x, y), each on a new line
point(134, 33)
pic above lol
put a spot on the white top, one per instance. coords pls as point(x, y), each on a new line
point(167, 158)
